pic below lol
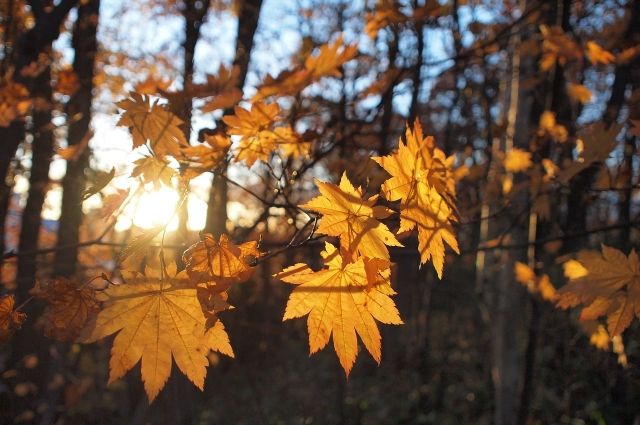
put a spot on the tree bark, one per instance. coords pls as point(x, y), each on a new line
point(28, 46)
point(79, 117)
point(41, 153)
point(248, 16)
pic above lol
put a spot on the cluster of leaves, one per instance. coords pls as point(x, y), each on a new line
point(164, 314)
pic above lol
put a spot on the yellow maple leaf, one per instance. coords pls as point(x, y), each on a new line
point(355, 220)
point(343, 299)
point(153, 170)
point(157, 318)
point(290, 142)
point(423, 182)
point(608, 286)
point(152, 124)
point(254, 128)
point(223, 261)
point(112, 203)
point(517, 160)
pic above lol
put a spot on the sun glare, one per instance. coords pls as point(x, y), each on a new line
point(157, 208)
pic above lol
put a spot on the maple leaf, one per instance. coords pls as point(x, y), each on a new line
point(608, 284)
point(222, 88)
point(112, 203)
point(153, 170)
point(290, 142)
point(10, 319)
point(579, 93)
point(596, 146)
point(329, 59)
point(517, 160)
point(343, 299)
point(99, 181)
point(424, 184)
point(598, 55)
point(221, 262)
point(347, 215)
point(325, 63)
point(207, 155)
point(557, 46)
point(157, 318)
point(69, 307)
point(153, 85)
point(152, 124)
point(254, 128)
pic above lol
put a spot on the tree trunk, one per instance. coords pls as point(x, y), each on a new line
point(79, 118)
point(248, 15)
point(41, 153)
point(508, 299)
point(28, 46)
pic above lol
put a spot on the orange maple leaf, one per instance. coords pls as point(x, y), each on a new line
point(10, 319)
point(607, 284)
point(342, 299)
point(153, 170)
point(207, 155)
point(69, 307)
point(152, 124)
point(254, 128)
point(423, 181)
point(354, 220)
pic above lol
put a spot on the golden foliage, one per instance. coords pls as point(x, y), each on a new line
point(153, 170)
point(541, 286)
point(206, 156)
point(517, 160)
point(157, 318)
point(606, 284)
point(598, 55)
point(152, 125)
point(342, 300)
point(220, 262)
point(14, 102)
point(326, 63)
point(579, 93)
point(355, 220)
point(423, 181)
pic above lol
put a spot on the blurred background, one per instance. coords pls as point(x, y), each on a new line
point(558, 79)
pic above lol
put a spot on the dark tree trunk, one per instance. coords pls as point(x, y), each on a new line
point(79, 117)
point(41, 153)
point(248, 16)
point(28, 46)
